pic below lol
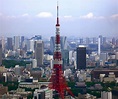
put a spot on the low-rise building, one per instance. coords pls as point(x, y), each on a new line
point(115, 93)
point(106, 95)
point(86, 96)
point(109, 79)
point(43, 94)
point(3, 90)
point(33, 85)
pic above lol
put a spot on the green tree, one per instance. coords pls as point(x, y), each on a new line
point(12, 63)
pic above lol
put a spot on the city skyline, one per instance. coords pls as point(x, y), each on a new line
point(34, 17)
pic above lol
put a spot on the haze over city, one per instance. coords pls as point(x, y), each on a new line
point(79, 18)
point(58, 49)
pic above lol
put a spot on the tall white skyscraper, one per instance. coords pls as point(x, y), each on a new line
point(3, 43)
point(16, 42)
point(30, 45)
point(101, 39)
point(34, 63)
point(99, 46)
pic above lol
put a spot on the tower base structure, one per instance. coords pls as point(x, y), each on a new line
point(58, 82)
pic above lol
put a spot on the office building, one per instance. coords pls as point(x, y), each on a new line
point(39, 52)
point(99, 46)
point(16, 42)
point(116, 55)
point(22, 38)
point(9, 43)
point(2, 41)
point(94, 40)
point(114, 93)
point(95, 74)
point(87, 40)
point(113, 41)
point(103, 56)
point(106, 95)
point(65, 58)
point(101, 39)
point(31, 42)
point(81, 41)
point(117, 42)
point(81, 57)
point(104, 40)
point(43, 94)
point(17, 70)
point(52, 43)
point(22, 45)
point(34, 63)
point(30, 45)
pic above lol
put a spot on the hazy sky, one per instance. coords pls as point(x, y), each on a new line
point(80, 18)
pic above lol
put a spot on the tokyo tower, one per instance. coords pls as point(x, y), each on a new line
point(57, 79)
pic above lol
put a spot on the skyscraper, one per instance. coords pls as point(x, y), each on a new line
point(0, 54)
point(101, 39)
point(39, 52)
point(117, 42)
point(9, 43)
point(81, 57)
point(22, 38)
point(30, 45)
point(65, 58)
point(52, 43)
point(81, 41)
point(104, 40)
point(3, 43)
point(22, 42)
point(99, 46)
point(87, 40)
point(94, 40)
point(16, 42)
point(113, 41)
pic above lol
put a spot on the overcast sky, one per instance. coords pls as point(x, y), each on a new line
point(80, 18)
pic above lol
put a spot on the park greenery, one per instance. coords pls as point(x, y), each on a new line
point(107, 86)
point(11, 85)
point(12, 63)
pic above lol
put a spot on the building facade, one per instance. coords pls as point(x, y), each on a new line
point(81, 57)
point(9, 43)
point(106, 95)
point(65, 58)
point(16, 42)
point(39, 52)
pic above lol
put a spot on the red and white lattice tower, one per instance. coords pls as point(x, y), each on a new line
point(57, 80)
